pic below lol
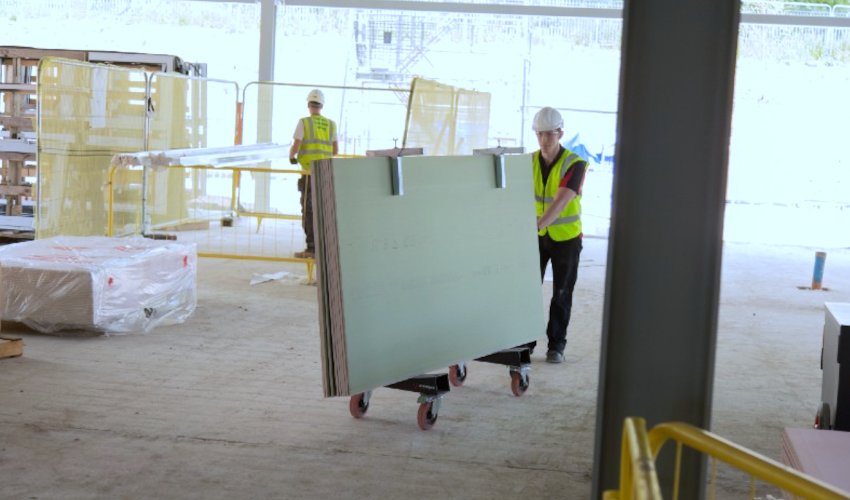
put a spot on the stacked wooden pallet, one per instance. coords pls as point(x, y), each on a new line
point(11, 347)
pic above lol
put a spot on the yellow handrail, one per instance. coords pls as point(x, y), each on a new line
point(756, 465)
point(638, 479)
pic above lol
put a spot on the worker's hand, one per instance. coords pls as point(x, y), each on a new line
point(293, 161)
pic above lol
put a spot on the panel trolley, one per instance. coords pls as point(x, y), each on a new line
point(518, 361)
point(431, 389)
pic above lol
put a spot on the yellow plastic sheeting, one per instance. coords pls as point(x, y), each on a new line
point(187, 113)
point(87, 114)
point(446, 120)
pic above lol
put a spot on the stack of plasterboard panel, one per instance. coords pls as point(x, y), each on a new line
point(111, 285)
point(446, 270)
point(822, 454)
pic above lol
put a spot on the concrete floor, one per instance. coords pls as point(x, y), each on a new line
point(229, 404)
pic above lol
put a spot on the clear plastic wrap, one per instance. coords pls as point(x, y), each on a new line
point(110, 285)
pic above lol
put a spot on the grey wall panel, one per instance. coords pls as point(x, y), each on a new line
point(664, 251)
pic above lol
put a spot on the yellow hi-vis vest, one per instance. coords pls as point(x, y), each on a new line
point(317, 143)
point(568, 224)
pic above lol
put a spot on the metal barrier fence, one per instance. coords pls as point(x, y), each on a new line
point(215, 228)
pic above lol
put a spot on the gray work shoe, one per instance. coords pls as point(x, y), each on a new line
point(554, 357)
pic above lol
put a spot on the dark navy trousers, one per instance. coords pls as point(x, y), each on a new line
point(564, 256)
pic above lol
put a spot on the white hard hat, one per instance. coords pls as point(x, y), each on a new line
point(316, 95)
point(547, 119)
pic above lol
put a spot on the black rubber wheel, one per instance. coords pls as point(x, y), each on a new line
point(822, 419)
point(519, 384)
point(457, 375)
point(358, 405)
point(425, 417)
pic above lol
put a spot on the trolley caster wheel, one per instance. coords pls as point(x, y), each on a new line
point(358, 405)
point(519, 383)
point(457, 375)
point(822, 417)
point(426, 417)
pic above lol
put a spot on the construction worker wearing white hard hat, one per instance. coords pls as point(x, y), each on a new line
point(314, 139)
point(316, 95)
point(558, 179)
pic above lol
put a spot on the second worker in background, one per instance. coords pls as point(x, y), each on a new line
point(558, 179)
point(314, 139)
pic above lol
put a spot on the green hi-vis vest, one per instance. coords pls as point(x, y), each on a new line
point(317, 143)
point(568, 224)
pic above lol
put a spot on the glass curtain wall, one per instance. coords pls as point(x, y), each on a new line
point(524, 62)
point(789, 175)
point(787, 163)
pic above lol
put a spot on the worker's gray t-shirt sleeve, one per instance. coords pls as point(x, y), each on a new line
point(299, 131)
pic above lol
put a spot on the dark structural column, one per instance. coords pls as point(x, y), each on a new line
point(663, 282)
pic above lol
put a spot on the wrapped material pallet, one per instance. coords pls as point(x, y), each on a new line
point(110, 285)
point(422, 265)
